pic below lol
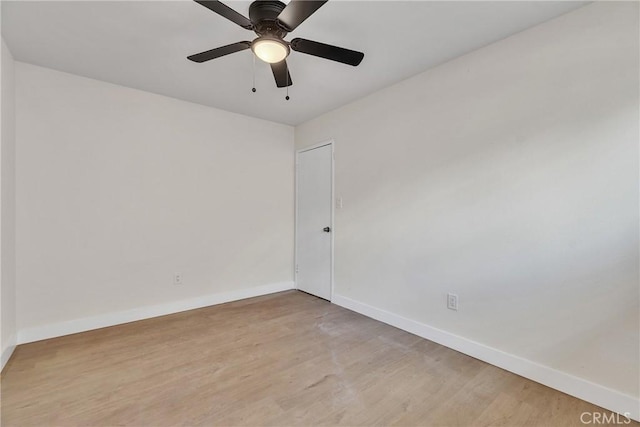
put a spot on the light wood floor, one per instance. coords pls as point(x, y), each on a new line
point(283, 359)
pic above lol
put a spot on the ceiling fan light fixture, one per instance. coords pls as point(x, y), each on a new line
point(270, 50)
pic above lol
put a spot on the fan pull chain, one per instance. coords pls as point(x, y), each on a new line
point(253, 89)
point(288, 81)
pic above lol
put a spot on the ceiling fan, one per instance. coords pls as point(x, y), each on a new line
point(271, 20)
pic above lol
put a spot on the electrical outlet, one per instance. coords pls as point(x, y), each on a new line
point(452, 302)
point(339, 203)
point(177, 279)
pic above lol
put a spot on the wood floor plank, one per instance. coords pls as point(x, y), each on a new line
point(285, 359)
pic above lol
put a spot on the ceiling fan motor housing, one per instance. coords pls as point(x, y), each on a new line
point(264, 14)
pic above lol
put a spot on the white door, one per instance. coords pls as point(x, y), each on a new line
point(314, 226)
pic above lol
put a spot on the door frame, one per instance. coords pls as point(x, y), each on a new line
point(333, 202)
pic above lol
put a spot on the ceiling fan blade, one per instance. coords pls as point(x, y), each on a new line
point(327, 51)
point(219, 51)
point(281, 74)
point(297, 11)
point(225, 11)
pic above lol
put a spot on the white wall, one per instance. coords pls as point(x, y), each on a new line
point(7, 210)
point(508, 176)
point(118, 189)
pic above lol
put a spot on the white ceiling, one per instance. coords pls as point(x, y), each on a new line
point(144, 45)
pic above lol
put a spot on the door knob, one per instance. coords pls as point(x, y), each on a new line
point(326, 229)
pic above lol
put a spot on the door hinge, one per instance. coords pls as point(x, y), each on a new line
point(297, 269)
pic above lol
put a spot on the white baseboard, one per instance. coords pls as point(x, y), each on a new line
point(7, 352)
point(582, 389)
point(111, 319)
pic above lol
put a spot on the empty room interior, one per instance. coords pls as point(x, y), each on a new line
point(356, 213)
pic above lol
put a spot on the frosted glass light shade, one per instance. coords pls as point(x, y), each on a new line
point(270, 50)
